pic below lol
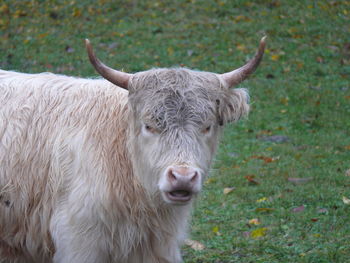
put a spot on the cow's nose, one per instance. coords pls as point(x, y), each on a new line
point(183, 175)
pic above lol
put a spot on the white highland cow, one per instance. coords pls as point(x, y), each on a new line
point(95, 170)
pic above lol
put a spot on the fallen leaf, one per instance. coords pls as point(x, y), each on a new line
point(319, 59)
point(292, 30)
point(315, 87)
point(297, 36)
point(241, 47)
point(284, 101)
point(113, 45)
point(195, 245)
point(300, 65)
point(299, 180)
point(264, 158)
point(210, 180)
point(286, 69)
point(346, 200)
point(76, 12)
point(228, 190)
point(216, 230)
point(43, 35)
point(262, 132)
point(259, 232)
point(347, 172)
point(246, 234)
point(264, 199)
point(250, 179)
point(275, 138)
point(19, 13)
point(322, 210)
point(233, 154)
point(4, 8)
point(189, 52)
point(242, 18)
point(334, 48)
point(170, 51)
point(275, 57)
point(264, 209)
point(298, 209)
point(254, 221)
point(69, 49)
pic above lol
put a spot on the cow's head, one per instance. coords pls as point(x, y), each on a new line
point(176, 117)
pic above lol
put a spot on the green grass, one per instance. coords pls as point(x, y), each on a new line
point(301, 90)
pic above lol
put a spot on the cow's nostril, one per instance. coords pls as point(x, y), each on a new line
point(182, 176)
point(171, 175)
point(194, 177)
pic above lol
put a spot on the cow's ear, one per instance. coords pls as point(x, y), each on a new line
point(233, 106)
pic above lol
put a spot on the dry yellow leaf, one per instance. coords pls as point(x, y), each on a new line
point(286, 69)
point(254, 221)
point(300, 65)
point(195, 245)
point(43, 35)
point(346, 200)
point(228, 190)
point(210, 180)
point(261, 200)
point(259, 232)
point(284, 101)
point(241, 47)
point(292, 30)
point(275, 57)
point(170, 51)
point(76, 12)
point(4, 8)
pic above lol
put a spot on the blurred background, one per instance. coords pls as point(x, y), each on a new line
point(279, 189)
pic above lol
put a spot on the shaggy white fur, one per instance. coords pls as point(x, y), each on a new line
point(80, 173)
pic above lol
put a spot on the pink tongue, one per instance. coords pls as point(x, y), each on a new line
point(179, 193)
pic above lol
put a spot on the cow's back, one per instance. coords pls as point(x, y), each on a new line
point(41, 115)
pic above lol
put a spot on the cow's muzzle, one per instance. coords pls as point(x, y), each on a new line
point(180, 184)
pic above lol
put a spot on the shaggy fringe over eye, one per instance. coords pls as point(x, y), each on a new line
point(202, 95)
point(233, 105)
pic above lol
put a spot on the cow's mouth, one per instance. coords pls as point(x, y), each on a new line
point(179, 195)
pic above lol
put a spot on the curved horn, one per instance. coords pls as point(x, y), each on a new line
point(238, 75)
point(118, 78)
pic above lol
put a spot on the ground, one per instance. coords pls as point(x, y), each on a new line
point(279, 188)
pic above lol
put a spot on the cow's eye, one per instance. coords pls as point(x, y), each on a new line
point(207, 129)
point(150, 129)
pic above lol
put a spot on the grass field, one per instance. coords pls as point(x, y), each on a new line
point(285, 196)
